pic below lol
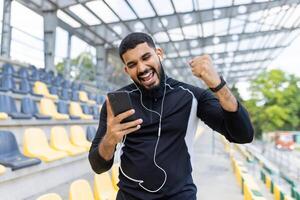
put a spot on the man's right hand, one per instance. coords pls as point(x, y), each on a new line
point(116, 130)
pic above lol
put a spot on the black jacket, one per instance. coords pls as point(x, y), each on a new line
point(184, 104)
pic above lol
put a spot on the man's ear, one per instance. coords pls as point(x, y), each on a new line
point(125, 69)
point(160, 53)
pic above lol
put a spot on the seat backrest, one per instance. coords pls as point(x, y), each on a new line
point(103, 183)
point(90, 133)
point(4, 103)
point(83, 96)
point(62, 107)
point(81, 190)
point(23, 73)
point(86, 109)
point(59, 136)
point(65, 94)
point(7, 68)
point(27, 105)
point(66, 84)
point(74, 95)
point(40, 88)
point(8, 143)
point(54, 90)
point(77, 133)
point(47, 106)
point(35, 139)
point(95, 110)
point(75, 109)
point(25, 86)
point(49, 196)
point(8, 82)
point(13, 107)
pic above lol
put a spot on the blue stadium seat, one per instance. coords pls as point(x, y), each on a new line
point(66, 84)
point(90, 133)
point(8, 84)
point(81, 87)
point(91, 96)
point(64, 94)
point(58, 80)
point(74, 95)
point(86, 109)
point(8, 69)
point(95, 111)
point(7, 105)
point(10, 155)
point(54, 90)
point(63, 108)
point(25, 86)
point(23, 73)
point(28, 106)
point(100, 99)
point(34, 76)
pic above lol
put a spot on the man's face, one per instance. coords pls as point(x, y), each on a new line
point(142, 64)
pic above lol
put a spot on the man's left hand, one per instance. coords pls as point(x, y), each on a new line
point(202, 67)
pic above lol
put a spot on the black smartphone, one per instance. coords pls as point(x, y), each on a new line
point(120, 102)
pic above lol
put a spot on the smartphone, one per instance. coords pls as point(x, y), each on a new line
point(120, 102)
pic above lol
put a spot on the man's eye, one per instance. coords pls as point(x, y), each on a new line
point(131, 65)
point(146, 57)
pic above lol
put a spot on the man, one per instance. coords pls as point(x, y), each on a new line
point(156, 154)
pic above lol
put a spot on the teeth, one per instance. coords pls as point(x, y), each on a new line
point(146, 75)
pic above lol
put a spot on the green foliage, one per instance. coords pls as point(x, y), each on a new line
point(82, 67)
point(275, 102)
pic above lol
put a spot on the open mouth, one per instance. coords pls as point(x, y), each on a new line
point(148, 78)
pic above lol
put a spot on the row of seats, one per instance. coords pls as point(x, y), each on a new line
point(47, 109)
point(33, 74)
point(105, 188)
point(40, 89)
point(37, 148)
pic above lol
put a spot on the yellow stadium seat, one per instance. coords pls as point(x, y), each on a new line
point(41, 88)
point(115, 175)
point(81, 190)
point(84, 97)
point(35, 144)
point(103, 187)
point(59, 140)
point(47, 107)
point(76, 110)
point(2, 169)
point(3, 116)
point(78, 137)
point(49, 196)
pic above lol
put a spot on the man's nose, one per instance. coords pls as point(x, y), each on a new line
point(142, 67)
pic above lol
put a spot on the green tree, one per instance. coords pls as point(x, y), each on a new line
point(275, 102)
point(82, 67)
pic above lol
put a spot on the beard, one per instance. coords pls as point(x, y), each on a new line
point(159, 74)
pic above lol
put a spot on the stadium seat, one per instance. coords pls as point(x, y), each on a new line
point(3, 116)
point(78, 137)
point(58, 80)
point(59, 140)
point(7, 69)
point(2, 169)
point(49, 196)
point(81, 87)
point(115, 175)
point(76, 110)
point(8, 105)
point(28, 106)
point(34, 76)
point(8, 84)
point(75, 86)
point(103, 187)
point(41, 88)
point(35, 144)
point(47, 107)
point(81, 190)
point(66, 84)
point(90, 133)
point(74, 95)
point(100, 99)
point(23, 73)
point(63, 108)
point(64, 94)
point(26, 87)
point(54, 90)
point(95, 111)
point(10, 155)
point(84, 98)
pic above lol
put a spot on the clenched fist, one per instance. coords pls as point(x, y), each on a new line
point(202, 67)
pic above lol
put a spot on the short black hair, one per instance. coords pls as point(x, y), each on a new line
point(132, 40)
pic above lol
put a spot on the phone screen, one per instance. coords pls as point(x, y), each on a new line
point(120, 102)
